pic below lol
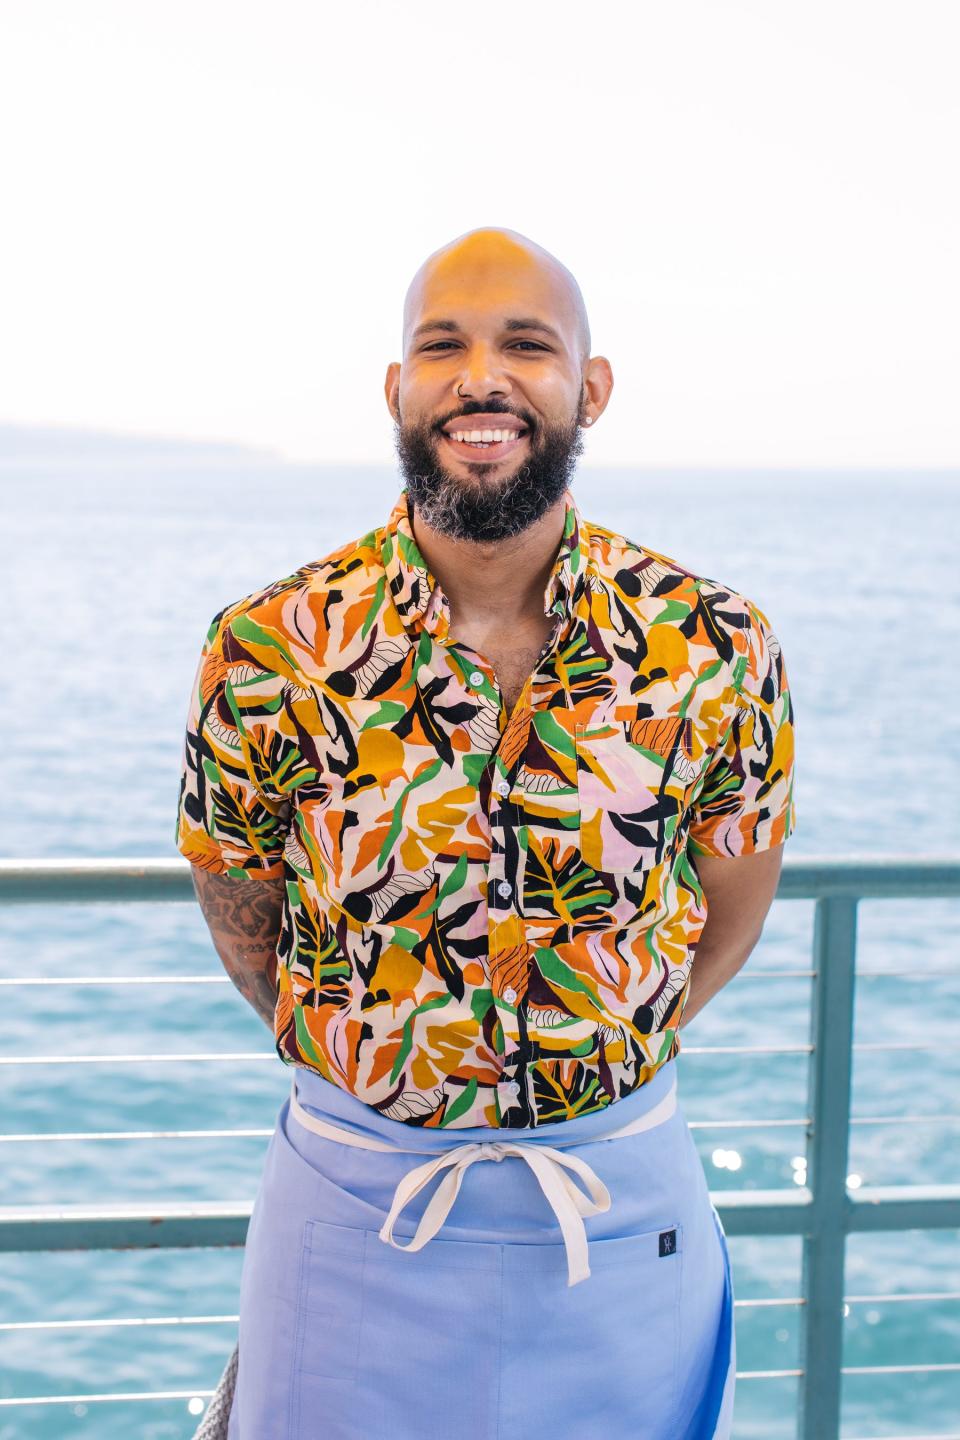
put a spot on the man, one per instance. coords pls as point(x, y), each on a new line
point(482, 809)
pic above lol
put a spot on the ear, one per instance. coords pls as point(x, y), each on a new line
point(598, 384)
point(391, 389)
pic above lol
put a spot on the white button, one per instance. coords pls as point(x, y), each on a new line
point(512, 1087)
point(510, 995)
point(504, 888)
point(502, 787)
point(477, 677)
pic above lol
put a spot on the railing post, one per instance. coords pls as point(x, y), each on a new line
point(824, 1247)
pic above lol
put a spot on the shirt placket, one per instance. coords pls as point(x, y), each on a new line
point(508, 949)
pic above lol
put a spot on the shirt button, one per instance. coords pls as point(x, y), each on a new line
point(477, 677)
point(512, 1087)
point(510, 995)
point(504, 888)
point(502, 787)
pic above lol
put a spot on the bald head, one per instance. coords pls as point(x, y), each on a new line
point(499, 264)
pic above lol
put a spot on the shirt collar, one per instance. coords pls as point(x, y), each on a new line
point(419, 598)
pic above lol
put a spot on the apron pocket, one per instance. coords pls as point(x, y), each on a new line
point(329, 1303)
point(430, 1341)
point(614, 1339)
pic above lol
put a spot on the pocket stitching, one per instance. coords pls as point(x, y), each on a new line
point(345, 1373)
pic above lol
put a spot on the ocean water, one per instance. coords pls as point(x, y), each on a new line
point(113, 568)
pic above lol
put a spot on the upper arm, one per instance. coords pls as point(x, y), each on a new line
point(228, 822)
point(739, 891)
point(215, 892)
point(244, 916)
point(745, 804)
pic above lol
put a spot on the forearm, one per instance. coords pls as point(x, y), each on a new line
point(244, 918)
point(716, 960)
point(738, 892)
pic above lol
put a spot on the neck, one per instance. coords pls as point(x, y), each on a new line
point(501, 581)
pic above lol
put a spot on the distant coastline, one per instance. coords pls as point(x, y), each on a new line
point(43, 447)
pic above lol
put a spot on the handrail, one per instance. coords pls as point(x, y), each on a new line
point(137, 878)
point(823, 1210)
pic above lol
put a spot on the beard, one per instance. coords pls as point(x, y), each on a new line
point(480, 504)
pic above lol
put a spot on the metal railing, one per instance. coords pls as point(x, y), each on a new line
point(823, 1211)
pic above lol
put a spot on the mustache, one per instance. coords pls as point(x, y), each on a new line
point(479, 409)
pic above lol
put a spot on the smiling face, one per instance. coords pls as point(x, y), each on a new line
point(491, 394)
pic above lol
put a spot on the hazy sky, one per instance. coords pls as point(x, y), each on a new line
point(212, 211)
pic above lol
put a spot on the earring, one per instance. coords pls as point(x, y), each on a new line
point(588, 421)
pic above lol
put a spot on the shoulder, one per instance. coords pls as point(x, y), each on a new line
point(286, 627)
point(710, 612)
point(296, 607)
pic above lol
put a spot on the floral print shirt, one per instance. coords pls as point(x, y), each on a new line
point(490, 919)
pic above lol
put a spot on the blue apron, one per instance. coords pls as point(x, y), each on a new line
point(396, 1288)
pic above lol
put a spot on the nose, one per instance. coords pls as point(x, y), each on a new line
point(481, 375)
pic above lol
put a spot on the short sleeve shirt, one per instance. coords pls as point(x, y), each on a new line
point(489, 918)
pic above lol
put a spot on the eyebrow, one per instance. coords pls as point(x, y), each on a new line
point(526, 322)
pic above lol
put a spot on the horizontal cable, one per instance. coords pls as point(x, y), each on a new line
point(902, 1295)
point(785, 1300)
point(143, 1135)
point(792, 1301)
point(897, 1299)
point(908, 974)
point(119, 980)
point(793, 1124)
point(38, 1136)
point(951, 1366)
point(109, 1324)
point(895, 1045)
point(272, 1055)
point(747, 1049)
point(801, 1049)
point(134, 1059)
point(231, 1056)
point(117, 1395)
point(855, 1370)
point(745, 974)
point(204, 1394)
point(898, 1119)
point(225, 979)
point(767, 1374)
point(800, 1122)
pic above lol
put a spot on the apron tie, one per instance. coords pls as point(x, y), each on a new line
point(568, 1201)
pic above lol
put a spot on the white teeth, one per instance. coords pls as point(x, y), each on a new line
point(484, 437)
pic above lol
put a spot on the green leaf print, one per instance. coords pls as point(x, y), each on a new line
point(462, 1103)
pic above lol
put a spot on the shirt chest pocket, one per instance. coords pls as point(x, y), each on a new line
point(634, 777)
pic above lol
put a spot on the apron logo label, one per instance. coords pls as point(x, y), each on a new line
point(668, 1242)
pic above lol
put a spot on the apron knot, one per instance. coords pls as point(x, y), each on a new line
point(568, 1201)
point(549, 1165)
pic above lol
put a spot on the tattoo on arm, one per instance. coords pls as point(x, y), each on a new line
point(245, 918)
